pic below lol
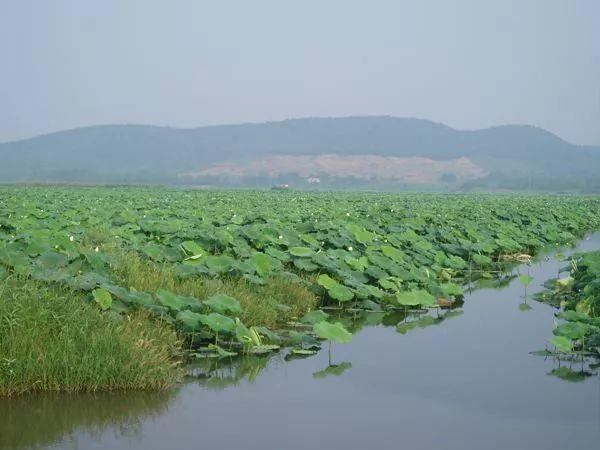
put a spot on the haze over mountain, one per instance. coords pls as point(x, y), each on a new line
point(374, 151)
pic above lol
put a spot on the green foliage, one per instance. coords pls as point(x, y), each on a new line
point(579, 297)
point(217, 322)
point(525, 280)
point(303, 252)
point(562, 343)
point(572, 330)
point(415, 298)
point(314, 317)
point(223, 304)
point(332, 331)
point(190, 320)
point(52, 339)
point(102, 297)
point(201, 259)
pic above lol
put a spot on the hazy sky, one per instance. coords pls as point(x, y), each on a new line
point(469, 64)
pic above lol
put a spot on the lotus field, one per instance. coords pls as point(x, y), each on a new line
point(252, 271)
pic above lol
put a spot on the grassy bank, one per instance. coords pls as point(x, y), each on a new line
point(52, 339)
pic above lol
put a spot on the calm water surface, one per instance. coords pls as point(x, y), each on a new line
point(466, 383)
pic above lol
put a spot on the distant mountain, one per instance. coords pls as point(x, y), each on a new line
point(511, 157)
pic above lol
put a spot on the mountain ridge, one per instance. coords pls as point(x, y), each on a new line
point(283, 121)
point(512, 153)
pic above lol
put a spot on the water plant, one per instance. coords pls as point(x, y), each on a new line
point(241, 270)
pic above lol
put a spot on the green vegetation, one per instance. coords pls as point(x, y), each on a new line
point(278, 301)
point(578, 296)
point(52, 339)
point(242, 272)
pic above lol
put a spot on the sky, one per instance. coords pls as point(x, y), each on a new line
point(467, 63)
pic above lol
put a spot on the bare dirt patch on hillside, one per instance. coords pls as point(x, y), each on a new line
point(412, 170)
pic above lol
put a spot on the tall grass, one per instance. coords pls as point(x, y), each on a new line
point(273, 304)
point(52, 339)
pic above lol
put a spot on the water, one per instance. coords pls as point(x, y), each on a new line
point(466, 383)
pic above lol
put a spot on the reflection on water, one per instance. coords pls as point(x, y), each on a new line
point(221, 373)
point(333, 369)
point(571, 368)
point(461, 378)
point(36, 421)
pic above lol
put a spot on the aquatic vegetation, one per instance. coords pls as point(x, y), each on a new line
point(576, 331)
point(578, 296)
point(525, 281)
point(333, 332)
point(246, 272)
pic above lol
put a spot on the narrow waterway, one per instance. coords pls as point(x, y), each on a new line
point(466, 382)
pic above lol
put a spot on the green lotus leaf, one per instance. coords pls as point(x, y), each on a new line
point(219, 264)
point(302, 252)
point(562, 343)
point(218, 322)
point(189, 319)
point(170, 300)
point(575, 316)
point(564, 283)
point(393, 253)
point(245, 335)
point(452, 289)
point(262, 263)
point(415, 298)
point(303, 352)
point(572, 330)
point(221, 352)
point(332, 331)
point(481, 260)
point(51, 260)
point(315, 316)
point(102, 297)
point(223, 304)
point(153, 252)
point(326, 281)
point(525, 280)
point(305, 264)
point(262, 349)
point(340, 293)
point(360, 234)
point(192, 249)
point(357, 263)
